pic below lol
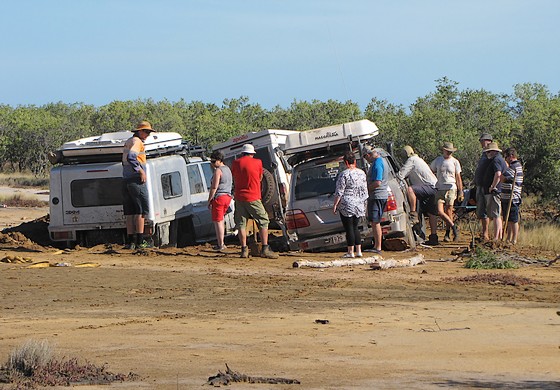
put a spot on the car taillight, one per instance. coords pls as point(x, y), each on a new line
point(296, 219)
point(391, 203)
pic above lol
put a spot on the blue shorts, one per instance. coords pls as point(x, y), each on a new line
point(513, 213)
point(135, 197)
point(375, 209)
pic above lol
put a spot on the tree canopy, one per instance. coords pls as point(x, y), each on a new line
point(527, 119)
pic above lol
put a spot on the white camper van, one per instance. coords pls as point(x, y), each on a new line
point(86, 191)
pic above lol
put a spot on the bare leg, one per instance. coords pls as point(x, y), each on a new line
point(411, 199)
point(220, 229)
point(443, 215)
point(264, 235)
point(497, 228)
point(242, 236)
point(138, 221)
point(485, 222)
point(377, 234)
point(433, 223)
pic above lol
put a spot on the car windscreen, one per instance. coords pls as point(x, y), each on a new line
point(317, 178)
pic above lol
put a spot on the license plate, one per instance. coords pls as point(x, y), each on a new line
point(339, 238)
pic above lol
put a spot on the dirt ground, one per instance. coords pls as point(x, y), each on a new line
point(177, 316)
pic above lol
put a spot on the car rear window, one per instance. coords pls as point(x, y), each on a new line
point(317, 179)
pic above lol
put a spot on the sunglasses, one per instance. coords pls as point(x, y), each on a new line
point(213, 160)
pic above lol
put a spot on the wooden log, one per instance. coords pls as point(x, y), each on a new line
point(398, 263)
point(336, 263)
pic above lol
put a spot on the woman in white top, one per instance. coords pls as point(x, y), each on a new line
point(350, 200)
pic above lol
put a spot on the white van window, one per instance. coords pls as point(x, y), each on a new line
point(208, 172)
point(96, 192)
point(195, 179)
point(171, 185)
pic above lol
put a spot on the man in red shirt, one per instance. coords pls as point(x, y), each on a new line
point(247, 173)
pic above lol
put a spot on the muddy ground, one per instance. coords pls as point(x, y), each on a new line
point(177, 316)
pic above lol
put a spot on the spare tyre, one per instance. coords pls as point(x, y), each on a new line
point(268, 188)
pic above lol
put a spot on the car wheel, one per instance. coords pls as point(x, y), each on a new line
point(268, 189)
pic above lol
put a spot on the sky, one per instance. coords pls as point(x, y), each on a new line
point(273, 52)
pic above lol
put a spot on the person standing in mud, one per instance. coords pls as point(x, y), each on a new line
point(351, 194)
point(492, 184)
point(511, 194)
point(449, 187)
point(219, 196)
point(247, 174)
point(135, 191)
point(377, 185)
point(481, 168)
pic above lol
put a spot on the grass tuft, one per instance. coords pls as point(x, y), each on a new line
point(540, 235)
point(32, 365)
point(29, 357)
point(485, 259)
point(23, 180)
point(22, 200)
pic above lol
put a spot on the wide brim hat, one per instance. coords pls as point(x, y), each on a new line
point(449, 147)
point(492, 146)
point(144, 125)
point(248, 149)
point(366, 150)
point(486, 136)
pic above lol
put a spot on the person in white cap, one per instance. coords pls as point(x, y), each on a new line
point(247, 174)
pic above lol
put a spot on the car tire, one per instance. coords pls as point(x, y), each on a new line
point(268, 188)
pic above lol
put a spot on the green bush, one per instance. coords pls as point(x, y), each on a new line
point(485, 259)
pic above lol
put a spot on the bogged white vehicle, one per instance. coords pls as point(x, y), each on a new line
point(86, 191)
point(316, 158)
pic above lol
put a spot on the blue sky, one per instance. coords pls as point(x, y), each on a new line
point(272, 51)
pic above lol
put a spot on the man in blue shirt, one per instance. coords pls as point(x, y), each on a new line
point(377, 187)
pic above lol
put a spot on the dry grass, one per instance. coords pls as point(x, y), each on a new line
point(23, 180)
point(32, 366)
point(21, 200)
point(542, 235)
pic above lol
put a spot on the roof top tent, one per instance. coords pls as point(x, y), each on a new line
point(272, 137)
point(329, 136)
point(328, 140)
point(109, 147)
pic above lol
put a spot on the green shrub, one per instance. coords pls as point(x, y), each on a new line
point(485, 259)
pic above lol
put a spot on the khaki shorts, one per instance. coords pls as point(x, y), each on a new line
point(446, 196)
point(250, 210)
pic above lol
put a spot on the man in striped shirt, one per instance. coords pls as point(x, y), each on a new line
point(511, 194)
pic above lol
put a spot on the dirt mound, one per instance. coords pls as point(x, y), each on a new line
point(32, 235)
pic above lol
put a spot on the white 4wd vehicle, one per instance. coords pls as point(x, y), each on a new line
point(86, 192)
point(316, 157)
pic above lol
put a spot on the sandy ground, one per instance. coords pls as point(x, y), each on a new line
point(176, 316)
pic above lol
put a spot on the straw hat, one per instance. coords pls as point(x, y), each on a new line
point(144, 125)
point(492, 146)
point(449, 147)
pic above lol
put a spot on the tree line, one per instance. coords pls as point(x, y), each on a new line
point(527, 119)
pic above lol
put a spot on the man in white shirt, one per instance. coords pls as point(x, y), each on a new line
point(422, 187)
point(449, 187)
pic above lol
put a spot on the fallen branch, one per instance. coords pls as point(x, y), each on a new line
point(393, 263)
point(336, 263)
point(225, 378)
